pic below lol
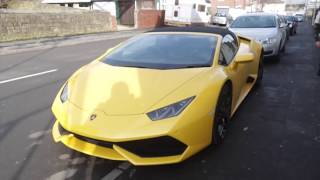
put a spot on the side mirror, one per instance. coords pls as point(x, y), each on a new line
point(244, 58)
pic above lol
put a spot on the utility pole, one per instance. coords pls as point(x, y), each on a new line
point(314, 11)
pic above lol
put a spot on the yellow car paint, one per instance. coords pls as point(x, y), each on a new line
point(133, 92)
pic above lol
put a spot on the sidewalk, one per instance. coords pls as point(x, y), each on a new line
point(46, 43)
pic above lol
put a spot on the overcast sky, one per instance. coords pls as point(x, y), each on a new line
point(295, 1)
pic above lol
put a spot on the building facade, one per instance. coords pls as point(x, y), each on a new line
point(227, 4)
point(135, 13)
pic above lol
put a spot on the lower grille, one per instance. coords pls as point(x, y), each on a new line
point(153, 147)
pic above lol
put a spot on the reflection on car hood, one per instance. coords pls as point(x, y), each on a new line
point(256, 33)
point(125, 90)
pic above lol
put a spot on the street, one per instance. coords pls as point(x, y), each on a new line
point(275, 134)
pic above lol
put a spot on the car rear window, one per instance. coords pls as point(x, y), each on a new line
point(254, 22)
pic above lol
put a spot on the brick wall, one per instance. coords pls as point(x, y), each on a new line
point(150, 18)
point(19, 26)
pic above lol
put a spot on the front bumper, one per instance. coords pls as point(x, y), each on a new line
point(270, 50)
point(175, 151)
point(220, 21)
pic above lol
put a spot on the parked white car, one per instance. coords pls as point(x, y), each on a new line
point(265, 28)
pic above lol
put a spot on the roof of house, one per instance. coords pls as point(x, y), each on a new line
point(201, 29)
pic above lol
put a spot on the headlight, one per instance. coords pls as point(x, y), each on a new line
point(170, 111)
point(290, 25)
point(64, 94)
point(269, 41)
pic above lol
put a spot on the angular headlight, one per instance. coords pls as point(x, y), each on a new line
point(170, 111)
point(64, 94)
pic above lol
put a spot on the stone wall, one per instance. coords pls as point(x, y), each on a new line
point(150, 18)
point(20, 25)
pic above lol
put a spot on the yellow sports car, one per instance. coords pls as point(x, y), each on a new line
point(159, 97)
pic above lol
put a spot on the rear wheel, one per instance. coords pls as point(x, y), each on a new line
point(277, 56)
point(283, 48)
point(222, 115)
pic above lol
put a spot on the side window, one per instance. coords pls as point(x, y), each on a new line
point(229, 49)
point(201, 8)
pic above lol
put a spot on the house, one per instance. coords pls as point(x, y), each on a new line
point(186, 11)
point(226, 5)
point(135, 13)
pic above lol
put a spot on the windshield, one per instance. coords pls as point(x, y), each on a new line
point(254, 22)
point(165, 51)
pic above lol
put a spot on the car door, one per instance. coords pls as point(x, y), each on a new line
point(282, 31)
point(238, 73)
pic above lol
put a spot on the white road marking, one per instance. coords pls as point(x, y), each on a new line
point(116, 172)
point(36, 135)
point(64, 156)
point(90, 167)
point(78, 160)
point(65, 174)
point(112, 175)
point(124, 165)
point(28, 76)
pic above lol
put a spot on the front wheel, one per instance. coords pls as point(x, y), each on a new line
point(222, 115)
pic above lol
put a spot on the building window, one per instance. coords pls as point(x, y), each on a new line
point(84, 4)
point(176, 2)
point(62, 5)
point(175, 14)
point(70, 5)
point(208, 10)
point(201, 8)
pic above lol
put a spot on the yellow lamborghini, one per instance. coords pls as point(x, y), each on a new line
point(159, 97)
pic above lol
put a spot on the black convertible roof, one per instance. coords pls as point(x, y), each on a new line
point(200, 29)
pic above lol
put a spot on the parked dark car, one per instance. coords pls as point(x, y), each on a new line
point(300, 17)
point(292, 24)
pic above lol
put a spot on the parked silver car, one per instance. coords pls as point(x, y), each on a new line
point(268, 29)
point(220, 19)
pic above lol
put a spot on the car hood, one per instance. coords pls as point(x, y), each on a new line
point(258, 34)
point(124, 90)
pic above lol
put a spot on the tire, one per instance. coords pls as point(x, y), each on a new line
point(222, 115)
point(260, 72)
point(277, 56)
point(284, 48)
point(291, 32)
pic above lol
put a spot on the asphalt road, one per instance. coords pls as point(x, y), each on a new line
point(275, 133)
